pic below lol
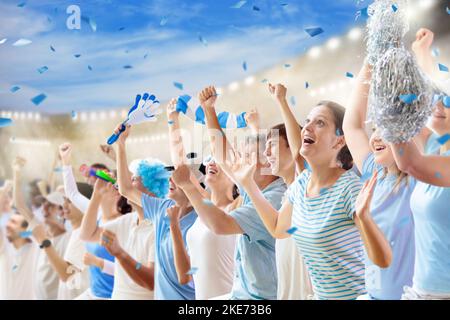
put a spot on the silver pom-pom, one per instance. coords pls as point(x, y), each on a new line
point(386, 27)
point(401, 96)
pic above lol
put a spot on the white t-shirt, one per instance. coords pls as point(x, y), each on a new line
point(139, 242)
point(213, 256)
point(293, 277)
point(78, 282)
point(18, 271)
point(47, 279)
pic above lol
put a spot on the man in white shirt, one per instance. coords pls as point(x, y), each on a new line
point(18, 258)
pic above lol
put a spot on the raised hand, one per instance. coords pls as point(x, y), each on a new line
point(278, 91)
point(208, 97)
point(423, 42)
point(65, 152)
point(123, 137)
point(181, 175)
point(18, 164)
point(243, 168)
point(101, 187)
point(172, 113)
point(111, 243)
point(174, 214)
point(362, 203)
point(108, 151)
point(253, 119)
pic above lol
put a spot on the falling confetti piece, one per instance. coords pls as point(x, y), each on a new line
point(138, 266)
point(128, 66)
point(238, 5)
point(394, 8)
point(57, 169)
point(283, 4)
point(349, 75)
point(3, 40)
point(435, 52)
point(291, 230)
point(306, 85)
point(443, 68)
point(264, 80)
point(77, 55)
point(255, 8)
point(178, 85)
point(93, 24)
point(170, 122)
point(443, 139)
point(446, 101)
point(14, 89)
point(293, 102)
point(314, 31)
point(244, 66)
point(145, 56)
point(73, 114)
point(192, 271)
point(287, 65)
point(22, 42)
point(14, 268)
point(438, 175)
point(408, 98)
point(448, 10)
point(21, 5)
point(26, 234)
point(338, 132)
point(41, 70)
point(203, 40)
point(5, 122)
point(163, 21)
point(38, 99)
point(89, 67)
point(53, 49)
point(121, 28)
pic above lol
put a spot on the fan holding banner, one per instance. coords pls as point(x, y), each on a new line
point(145, 108)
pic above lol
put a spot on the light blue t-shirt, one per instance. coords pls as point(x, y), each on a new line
point(392, 214)
point(255, 268)
point(167, 286)
point(327, 237)
point(102, 284)
point(431, 208)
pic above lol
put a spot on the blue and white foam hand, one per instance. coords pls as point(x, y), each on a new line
point(145, 108)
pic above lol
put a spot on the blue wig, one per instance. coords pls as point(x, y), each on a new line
point(154, 177)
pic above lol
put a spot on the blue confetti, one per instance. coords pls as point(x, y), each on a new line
point(408, 98)
point(446, 101)
point(21, 5)
point(293, 101)
point(138, 265)
point(203, 40)
point(255, 8)
point(438, 175)
point(121, 28)
point(5, 122)
point(41, 70)
point(57, 169)
point(287, 65)
point(163, 21)
point(14, 268)
point(89, 67)
point(73, 114)
point(192, 271)
point(349, 75)
point(443, 139)
point(128, 66)
point(38, 99)
point(77, 55)
point(394, 8)
point(25, 234)
point(362, 13)
point(283, 4)
point(22, 42)
point(14, 89)
point(435, 52)
point(145, 56)
point(93, 24)
point(238, 5)
point(49, 20)
point(291, 230)
point(338, 132)
point(170, 122)
point(178, 85)
point(244, 66)
point(443, 68)
point(264, 80)
point(53, 49)
point(314, 31)
point(323, 191)
point(448, 10)
point(306, 85)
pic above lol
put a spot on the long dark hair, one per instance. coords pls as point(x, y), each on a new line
point(344, 156)
point(123, 206)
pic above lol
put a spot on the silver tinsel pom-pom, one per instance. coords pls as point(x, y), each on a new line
point(386, 27)
point(396, 77)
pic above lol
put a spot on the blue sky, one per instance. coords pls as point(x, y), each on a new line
point(128, 31)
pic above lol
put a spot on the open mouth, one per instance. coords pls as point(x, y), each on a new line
point(379, 148)
point(212, 171)
point(308, 141)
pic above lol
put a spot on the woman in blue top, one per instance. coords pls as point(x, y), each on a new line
point(430, 199)
point(320, 211)
point(390, 269)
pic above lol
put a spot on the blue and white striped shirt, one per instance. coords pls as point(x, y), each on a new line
point(327, 237)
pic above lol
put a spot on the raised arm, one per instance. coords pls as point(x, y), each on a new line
point(422, 50)
point(143, 275)
point(89, 229)
point(126, 189)
point(18, 199)
point(355, 116)
point(431, 169)
point(253, 120)
point(213, 217)
point(377, 247)
point(293, 128)
point(181, 257)
point(70, 186)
